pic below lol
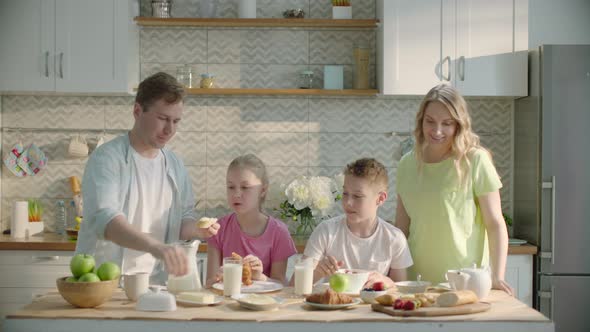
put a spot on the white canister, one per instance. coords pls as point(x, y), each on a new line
point(20, 219)
point(247, 9)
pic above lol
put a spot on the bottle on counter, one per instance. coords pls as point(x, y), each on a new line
point(61, 222)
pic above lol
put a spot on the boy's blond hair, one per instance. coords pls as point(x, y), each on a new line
point(369, 169)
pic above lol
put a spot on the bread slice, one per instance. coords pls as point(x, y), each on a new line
point(206, 222)
point(455, 298)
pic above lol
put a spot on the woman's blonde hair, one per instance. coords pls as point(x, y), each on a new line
point(465, 141)
point(256, 166)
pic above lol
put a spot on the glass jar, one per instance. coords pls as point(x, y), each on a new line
point(306, 79)
point(161, 8)
point(207, 81)
point(184, 75)
point(360, 76)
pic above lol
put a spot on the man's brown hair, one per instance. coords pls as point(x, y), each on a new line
point(369, 169)
point(159, 86)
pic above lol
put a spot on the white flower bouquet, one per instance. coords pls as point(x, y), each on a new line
point(310, 199)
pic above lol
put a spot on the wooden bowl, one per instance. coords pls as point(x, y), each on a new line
point(86, 294)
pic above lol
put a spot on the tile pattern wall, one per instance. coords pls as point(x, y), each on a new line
point(294, 136)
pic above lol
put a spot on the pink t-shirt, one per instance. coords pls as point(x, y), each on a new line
point(275, 244)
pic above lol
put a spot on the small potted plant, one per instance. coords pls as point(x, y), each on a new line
point(35, 217)
point(341, 9)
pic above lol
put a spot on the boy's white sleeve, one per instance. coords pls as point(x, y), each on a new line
point(401, 257)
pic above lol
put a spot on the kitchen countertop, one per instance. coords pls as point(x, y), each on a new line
point(52, 241)
point(50, 312)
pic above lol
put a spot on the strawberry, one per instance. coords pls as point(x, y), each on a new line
point(399, 304)
point(379, 286)
point(409, 305)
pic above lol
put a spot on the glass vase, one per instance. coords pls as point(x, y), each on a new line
point(305, 223)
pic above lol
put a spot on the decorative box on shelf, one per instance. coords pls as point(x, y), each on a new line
point(341, 9)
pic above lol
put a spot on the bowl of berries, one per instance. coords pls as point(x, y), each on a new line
point(369, 294)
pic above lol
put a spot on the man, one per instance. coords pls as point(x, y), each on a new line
point(137, 194)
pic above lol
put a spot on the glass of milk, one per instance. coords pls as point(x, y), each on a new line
point(303, 276)
point(232, 276)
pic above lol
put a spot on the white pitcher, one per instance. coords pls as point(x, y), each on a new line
point(477, 280)
point(190, 281)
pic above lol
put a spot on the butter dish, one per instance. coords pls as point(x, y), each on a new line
point(156, 301)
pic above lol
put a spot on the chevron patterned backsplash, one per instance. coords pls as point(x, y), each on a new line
point(293, 135)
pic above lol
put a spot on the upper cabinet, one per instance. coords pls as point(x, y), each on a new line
point(478, 46)
point(69, 46)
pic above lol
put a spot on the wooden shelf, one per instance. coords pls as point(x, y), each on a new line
point(257, 22)
point(290, 92)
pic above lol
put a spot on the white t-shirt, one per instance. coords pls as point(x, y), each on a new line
point(385, 249)
point(150, 199)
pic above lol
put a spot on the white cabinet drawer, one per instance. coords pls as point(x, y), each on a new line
point(31, 275)
point(35, 257)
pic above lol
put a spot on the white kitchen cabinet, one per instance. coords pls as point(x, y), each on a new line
point(471, 44)
point(69, 46)
point(29, 273)
point(519, 274)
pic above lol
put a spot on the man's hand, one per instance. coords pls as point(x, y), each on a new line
point(174, 258)
point(375, 276)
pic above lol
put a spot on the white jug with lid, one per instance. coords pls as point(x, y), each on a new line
point(191, 281)
point(477, 280)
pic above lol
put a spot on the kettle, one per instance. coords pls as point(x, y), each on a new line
point(477, 280)
point(192, 280)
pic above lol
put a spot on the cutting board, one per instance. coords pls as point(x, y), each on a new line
point(465, 309)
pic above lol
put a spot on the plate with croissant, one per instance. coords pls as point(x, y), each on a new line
point(330, 300)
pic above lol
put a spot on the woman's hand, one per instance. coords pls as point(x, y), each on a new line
point(326, 267)
point(257, 267)
point(503, 285)
point(375, 276)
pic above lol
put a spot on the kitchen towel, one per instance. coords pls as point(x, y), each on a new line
point(20, 219)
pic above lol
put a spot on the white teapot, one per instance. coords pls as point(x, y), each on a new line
point(477, 280)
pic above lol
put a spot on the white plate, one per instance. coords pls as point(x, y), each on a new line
point(320, 306)
point(187, 303)
point(516, 242)
point(258, 307)
point(256, 287)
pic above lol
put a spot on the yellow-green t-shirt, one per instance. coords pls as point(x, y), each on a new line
point(446, 226)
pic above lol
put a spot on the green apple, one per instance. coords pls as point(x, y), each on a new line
point(71, 279)
point(338, 282)
point(81, 264)
point(89, 277)
point(108, 271)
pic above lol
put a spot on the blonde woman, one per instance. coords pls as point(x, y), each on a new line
point(448, 202)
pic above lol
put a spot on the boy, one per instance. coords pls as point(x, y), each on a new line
point(360, 239)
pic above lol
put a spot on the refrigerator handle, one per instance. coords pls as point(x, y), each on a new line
point(551, 185)
point(549, 295)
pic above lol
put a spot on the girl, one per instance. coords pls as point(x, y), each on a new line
point(263, 241)
point(448, 202)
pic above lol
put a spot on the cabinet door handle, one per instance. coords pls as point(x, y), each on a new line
point(45, 258)
point(61, 65)
point(47, 64)
point(447, 59)
point(461, 68)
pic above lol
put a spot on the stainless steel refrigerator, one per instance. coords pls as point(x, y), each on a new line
point(552, 181)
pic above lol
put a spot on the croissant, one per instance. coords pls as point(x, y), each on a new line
point(329, 297)
point(246, 270)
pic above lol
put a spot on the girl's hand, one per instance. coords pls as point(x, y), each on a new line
point(218, 277)
point(326, 267)
point(257, 267)
point(205, 233)
point(375, 276)
point(503, 285)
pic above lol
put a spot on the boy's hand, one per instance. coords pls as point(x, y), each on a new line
point(326, 267)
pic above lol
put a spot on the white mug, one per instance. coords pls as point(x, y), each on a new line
point(136, 284)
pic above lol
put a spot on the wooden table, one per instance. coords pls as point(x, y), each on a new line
point(51, 313)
